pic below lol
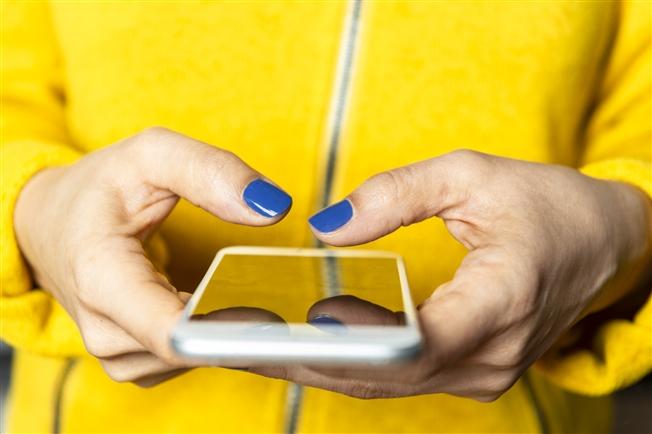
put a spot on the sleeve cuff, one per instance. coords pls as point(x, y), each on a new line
point(31, 319)
point(630, 171)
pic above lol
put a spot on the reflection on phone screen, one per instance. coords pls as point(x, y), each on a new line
point(293, 289)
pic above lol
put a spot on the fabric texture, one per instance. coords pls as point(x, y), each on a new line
point(554, 82)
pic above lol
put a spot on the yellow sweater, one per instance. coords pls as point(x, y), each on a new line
point(558, 82)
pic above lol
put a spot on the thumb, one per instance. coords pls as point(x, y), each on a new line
point(210, 178)
point(397, 198)
point(348, 309)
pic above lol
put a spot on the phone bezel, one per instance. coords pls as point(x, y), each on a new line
point(222, 342)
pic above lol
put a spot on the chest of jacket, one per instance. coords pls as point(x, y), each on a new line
point(321, 95)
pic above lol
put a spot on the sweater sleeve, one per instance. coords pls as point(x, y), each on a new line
point(33, 137)
point(619, 148)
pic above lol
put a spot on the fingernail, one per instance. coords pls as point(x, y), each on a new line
point(332, 218)
point(327, 323)
point(266, 199)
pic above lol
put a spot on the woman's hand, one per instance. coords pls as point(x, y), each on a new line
point(543, 243)
point(81, 229)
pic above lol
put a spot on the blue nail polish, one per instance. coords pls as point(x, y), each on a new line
point(332, 218)
point(266, 199)
point(324, 318)
point(327, 323)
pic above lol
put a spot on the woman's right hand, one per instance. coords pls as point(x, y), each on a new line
point(81, 229)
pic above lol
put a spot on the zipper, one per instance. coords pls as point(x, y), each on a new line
point(340, 96)
point(536, 404)
point(58, 393)
point(293, 400)
point(336, 117)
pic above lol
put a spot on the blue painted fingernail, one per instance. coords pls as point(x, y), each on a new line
point(332, 218)
point(266, 199)
point(327, 323)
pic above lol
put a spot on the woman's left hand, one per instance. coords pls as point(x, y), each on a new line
point(547, 245)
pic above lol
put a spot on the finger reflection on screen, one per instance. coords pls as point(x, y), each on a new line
point(328, 290)
point(352, 310)
point(262, 320)
point(240, 314)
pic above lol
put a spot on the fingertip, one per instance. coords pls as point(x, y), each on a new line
point(267, 200)
point(332, 218)
point(333, 239)
point(350, 222)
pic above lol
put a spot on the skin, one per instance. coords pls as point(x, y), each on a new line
point(81, 229)
point(547, 246)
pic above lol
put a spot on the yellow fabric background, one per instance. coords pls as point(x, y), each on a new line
point(559, 82)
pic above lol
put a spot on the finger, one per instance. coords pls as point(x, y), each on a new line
point(130, 292)
point(460, 317)
point(402, 373)
point(135, 366)
point(471, 380)
point(398, 198)
point(342, 310)
point(155, 380)
point(463, 314)
point(103, 338)
point(348, 309)
point(240, 313)
point(352, 387)
point(351, 310)
point(211, 178)
point(337, 312)
point(465, 381)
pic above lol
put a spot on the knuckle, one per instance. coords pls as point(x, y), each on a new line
point(82, 269)
point(95, 349)
point(468, 156)
point(96, 345)
point(220, 169)
point(219, 161)
point(225, 156)
point(278, 372)
point(94, 342)
point(469, 166)
point(421, 374)
point(512, 356)
point(169, 359)
point(153, 133)
point(499, 384)
point(117, 374)
point(144, 143)
point(86, 296)
point(391, 185)
point(364, 390)
point(162, 351)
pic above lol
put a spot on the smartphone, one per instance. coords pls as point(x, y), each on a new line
point(264, 305)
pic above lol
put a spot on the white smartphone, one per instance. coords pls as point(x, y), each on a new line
point(262, 305)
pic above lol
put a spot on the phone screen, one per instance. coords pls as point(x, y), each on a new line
point(293, 289)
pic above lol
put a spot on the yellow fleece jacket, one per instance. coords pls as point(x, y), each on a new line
point(557, 82)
